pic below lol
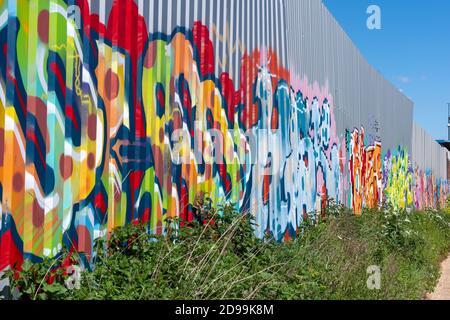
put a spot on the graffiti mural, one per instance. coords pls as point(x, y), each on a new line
point(429, 191)
point(365, 168)
point(97, 131)
point(398, 179)
point(374, 182)
point(95, 124)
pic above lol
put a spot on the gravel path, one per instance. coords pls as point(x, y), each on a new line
point(442, 290)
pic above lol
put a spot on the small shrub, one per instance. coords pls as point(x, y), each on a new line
point(40, 281)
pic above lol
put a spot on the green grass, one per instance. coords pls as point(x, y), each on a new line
point(331, 261)
point(225, 261)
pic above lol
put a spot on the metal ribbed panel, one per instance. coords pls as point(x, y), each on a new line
point(427, 154)
point(319, 49)
point(430, 169)
point(88, 114)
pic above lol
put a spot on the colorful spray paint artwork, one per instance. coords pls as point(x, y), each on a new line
point(365, 168)
point(97, 131)
point(429, 191)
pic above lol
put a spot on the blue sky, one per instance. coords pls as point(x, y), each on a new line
point(412, 50)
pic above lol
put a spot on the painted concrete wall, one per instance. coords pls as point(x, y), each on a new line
point(120, 111)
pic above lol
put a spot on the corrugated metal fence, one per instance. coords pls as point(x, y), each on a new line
point(118, 111)
point(427, 154)
point(430, 162)
point(319, 49)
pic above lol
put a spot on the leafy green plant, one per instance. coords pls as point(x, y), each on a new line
point(39, 281)
point(218, 256)
point(335, 209)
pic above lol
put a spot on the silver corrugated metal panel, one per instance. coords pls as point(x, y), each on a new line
point(427, 154)
point(319, 49)
point(246, 24)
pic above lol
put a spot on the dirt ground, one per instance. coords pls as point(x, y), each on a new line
point(442, 290)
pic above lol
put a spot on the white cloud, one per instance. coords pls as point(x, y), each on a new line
point(404, 79)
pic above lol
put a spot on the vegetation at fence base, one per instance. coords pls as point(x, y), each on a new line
point(219, 257)
point(41, 281)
